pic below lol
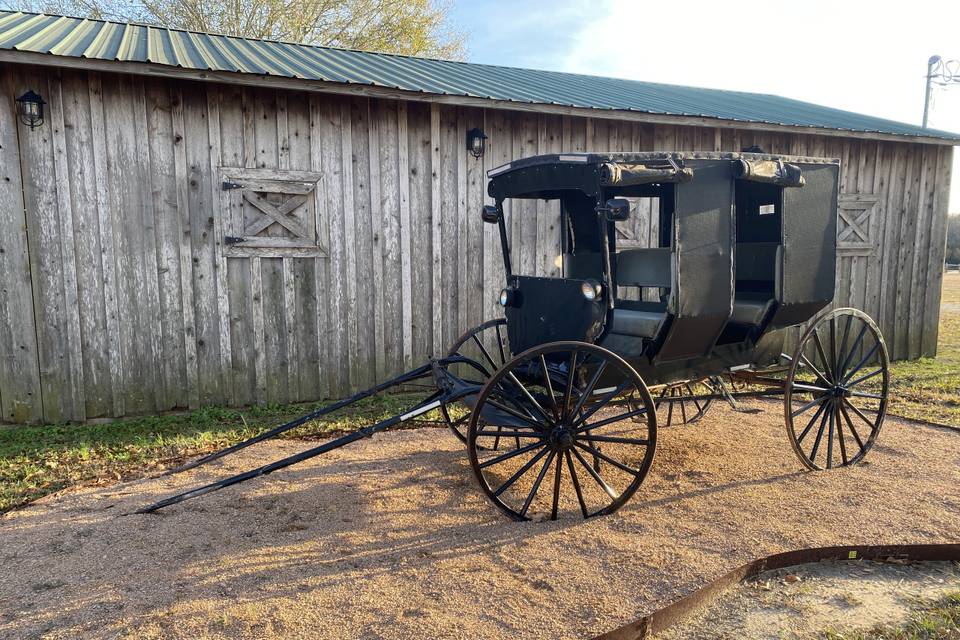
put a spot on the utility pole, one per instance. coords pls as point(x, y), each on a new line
point(931, 63)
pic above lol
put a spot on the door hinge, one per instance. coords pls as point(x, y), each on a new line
point(227, 186)
point(233, 240)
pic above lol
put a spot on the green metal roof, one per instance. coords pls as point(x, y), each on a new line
point(102, 40)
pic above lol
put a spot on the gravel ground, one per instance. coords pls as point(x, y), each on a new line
point(391, 538)
point(803, 602)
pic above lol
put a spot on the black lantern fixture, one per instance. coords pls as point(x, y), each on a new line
point(476, 141)
point(30, 109)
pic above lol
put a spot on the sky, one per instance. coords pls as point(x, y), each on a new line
point(868, 57)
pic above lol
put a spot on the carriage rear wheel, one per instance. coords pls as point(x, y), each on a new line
point(685, 402)
point(488, 346)
point(588, 429)
point(836, 390)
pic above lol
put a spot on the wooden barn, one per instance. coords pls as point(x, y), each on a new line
point(204, 220)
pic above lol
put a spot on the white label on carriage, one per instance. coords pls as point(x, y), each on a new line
point(420, 411)
point(498, 170)
point(768, 209)
point(576, 158)
point(602, 391)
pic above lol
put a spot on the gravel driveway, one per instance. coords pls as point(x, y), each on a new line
point(391, 538)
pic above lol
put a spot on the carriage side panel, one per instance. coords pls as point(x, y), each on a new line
point(702, 299)
point(809, 245)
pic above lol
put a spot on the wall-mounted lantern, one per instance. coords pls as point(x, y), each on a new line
point(30, 109)
point(476, 142)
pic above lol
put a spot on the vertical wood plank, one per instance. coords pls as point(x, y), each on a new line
point(436, 224)
point(68, 252)
point(403, 185)
point(935, 258)
point(377, 292)
point(220, 270)
point(181, 171)
point(20, 393)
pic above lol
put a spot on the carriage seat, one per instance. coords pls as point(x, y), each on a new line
point(757, 266)
point(638, 318)
point(642, 268)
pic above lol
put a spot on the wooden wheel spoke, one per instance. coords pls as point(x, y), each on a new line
point(576, 484)
point(843, 346)
point(507, 456)
point(864, 378)
point(853, 349)
point(864, 394)
point(860, 414)
point(843, 446)
point(602, 423)
point(588, 390)
point(556, 489)
point(549, 386)
point(529, 396)
point(516, 414)
point(522, 470)
point(833, 348)
point(601, 403)
point(537, 483)
point(615, 439)
point(813, 367)
point(853, 431)
point(483, 350)
point(568, 392)
point(596, 476)
point(503, 356)
point(613, 461)
point(863, 361)
point(831, 419)
point(816, 443)
point(810, 424)
point(499, 433)
point(808, 405)
point(823, 356)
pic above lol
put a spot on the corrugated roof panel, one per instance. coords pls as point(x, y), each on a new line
point(96, 39)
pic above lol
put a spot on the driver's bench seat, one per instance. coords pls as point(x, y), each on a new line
point(642, 268)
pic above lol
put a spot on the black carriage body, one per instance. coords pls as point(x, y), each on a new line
point(746, 247)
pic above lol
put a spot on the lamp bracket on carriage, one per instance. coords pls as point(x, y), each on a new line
point(616, 209)
point(491, 213)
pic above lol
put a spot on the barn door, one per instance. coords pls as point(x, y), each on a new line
point(270, 213)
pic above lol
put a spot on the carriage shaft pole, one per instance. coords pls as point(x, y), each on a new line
point(431, 403)
point(415, 374)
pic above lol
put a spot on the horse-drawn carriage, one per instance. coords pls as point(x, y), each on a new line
point(554, 400)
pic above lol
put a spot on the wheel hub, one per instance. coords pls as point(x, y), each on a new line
point(561, 438)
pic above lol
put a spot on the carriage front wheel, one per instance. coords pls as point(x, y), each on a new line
point(836, 389)
point(585, 426)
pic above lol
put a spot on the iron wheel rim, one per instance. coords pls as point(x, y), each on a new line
point(835, 402)
point(545, 451)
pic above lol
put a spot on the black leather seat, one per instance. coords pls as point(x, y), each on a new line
point(642, 268)
point(757, 266)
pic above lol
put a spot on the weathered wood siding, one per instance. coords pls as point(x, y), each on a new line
point(118, 296)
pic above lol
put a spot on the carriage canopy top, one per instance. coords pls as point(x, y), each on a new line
point(545, 176)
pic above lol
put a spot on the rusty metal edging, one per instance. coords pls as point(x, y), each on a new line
point(681, 609)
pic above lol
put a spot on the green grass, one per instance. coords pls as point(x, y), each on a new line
point(929, 388)
point(939, 620)
point(39, 460)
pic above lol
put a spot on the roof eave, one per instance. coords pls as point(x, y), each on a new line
point(369, 90)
